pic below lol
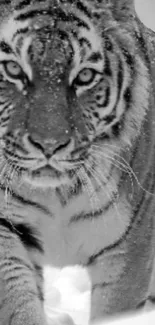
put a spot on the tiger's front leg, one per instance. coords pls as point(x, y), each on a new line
point(21, 300)
point(20, 303)
point(105, 271)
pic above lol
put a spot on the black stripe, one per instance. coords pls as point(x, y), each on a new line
point(17, 146)
point(128, 57)
point(128, 96)
point(33, 13)
point(11, 153)
point(22, 4)
point(100, 286)
point(38, 269)
point(81, 7)
point(25, 233)
point(61, 15)
point(61, 197)
point(106, 99)
point(94, 257)
point(10, 144)
point(5, 2)
point(86, 216)
point(14, 278)
point(2, 103)
point(6, 224)
point(2, 88)
point(20, 31)
point(109, 119)
point(97, 15)
point(4, 125)
point(107, 69)
point(102, 137)
point(39, 272)
point(5, 47)
point(40, 293)
point(95, 57)
point(63, 35)
point(108, 43)
point(120, 78)
point(117, 128)
point(152, 299)
point(5, 109)
point(139, 37)
point(92, 215)
point(4, 119)
point(16, 267)
point(70, 17)
point(1, 77)
point(141, 304)
point(149, 299)
point(27, 202)
point(28, 237)
point(17, 260)
point(83, 41)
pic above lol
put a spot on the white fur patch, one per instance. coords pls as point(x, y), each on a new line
point(67, 290)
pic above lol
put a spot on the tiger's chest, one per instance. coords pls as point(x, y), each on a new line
point(77, 233)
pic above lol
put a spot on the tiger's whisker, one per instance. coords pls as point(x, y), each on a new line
point(87, 184)
point(133, 174)
point(117, 164)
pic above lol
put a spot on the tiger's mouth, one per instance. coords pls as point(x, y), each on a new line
point(46, 171)
point(50, 172)
point(47, 176)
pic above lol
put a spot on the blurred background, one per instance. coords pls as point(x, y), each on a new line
point(146, 12)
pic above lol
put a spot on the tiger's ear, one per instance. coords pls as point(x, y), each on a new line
point(123, 8)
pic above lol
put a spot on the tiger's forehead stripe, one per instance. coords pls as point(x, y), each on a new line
point(6, 48)
point(22, 23)
point(22, 4)
point(80, 5)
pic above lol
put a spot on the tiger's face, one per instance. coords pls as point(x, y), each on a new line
point(70, 84)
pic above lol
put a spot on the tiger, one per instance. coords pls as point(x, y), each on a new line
point(77, 154)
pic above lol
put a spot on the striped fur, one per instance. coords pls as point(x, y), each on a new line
point(77, 149)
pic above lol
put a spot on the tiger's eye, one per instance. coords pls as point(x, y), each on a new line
point(85, 75)
point(13, 69)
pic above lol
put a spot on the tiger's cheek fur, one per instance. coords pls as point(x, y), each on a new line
point(93, 104)
point(9, 98)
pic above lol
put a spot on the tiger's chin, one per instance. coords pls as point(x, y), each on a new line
point(45, 178)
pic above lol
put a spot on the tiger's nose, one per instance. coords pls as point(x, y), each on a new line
point(50, 147)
